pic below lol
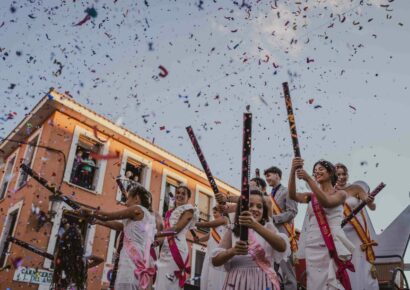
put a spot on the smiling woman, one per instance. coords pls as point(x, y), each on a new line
point(249, 265)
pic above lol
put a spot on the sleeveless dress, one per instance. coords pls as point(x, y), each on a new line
point(320, 268)
point(243, 272)
point(361, 279)
point(141, 234)
point(166, 265)
point(212, 278)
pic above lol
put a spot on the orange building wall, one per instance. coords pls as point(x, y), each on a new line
point(57, 132)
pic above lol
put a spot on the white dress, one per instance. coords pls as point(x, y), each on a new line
point(212, 278)
point(166, 265)
point(320, 268)
point(243, 273)
point(141, 233)
point(361, 279)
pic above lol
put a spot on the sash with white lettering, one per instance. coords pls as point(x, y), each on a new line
point(184, 268)
point(363, 233)
point(215, 235)
point(342, 266)
point(289, 227)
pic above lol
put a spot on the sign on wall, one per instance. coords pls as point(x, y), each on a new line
point(32, 275)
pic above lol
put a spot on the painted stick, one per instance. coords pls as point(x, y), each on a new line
point(291, 119)
point(31, 248)
point(202, 159)
point(246, 162)
point(358, 208)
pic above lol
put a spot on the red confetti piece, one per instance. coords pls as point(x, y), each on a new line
point(266, 58)
point(84, 20)
point(162, 128)
point(96, 135)
point(311, 101)
point(164, 71)
point(97, 156)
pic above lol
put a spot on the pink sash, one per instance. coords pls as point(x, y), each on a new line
point(184, 268)
point(258, 255)
point(142, 272)
point(342, 266)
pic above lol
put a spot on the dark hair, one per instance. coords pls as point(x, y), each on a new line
point(145, 196)
point(273, 169)
point(70, 260)
point(342, 166)
point(259, 182)
point(265, 217)
point(330, 168)
point(187, 190)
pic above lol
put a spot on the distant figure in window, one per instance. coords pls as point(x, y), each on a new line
point(75, 171)
point(136, 178)
point(87, 168)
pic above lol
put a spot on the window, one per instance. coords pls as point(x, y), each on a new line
point(67, 219)
point(8, 174)
point(62, 217)
point(170, 187)
point(198, 257)
point(204, 201)
point(134, 171)
point(28, 160)
point(84, 171)
point(9, 228)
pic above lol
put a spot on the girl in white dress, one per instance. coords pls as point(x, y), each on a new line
point(173, 263)
point(136, 267)
point(364, 278)
point(213, 278)
point(327, 203)
point(249, 265)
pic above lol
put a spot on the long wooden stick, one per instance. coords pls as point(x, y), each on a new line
point(358, 208)
point(291, 119)
point(246, 162)
point(31, 248)
point(202, 159)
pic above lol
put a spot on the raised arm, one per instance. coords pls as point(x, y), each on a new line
point(274, 240)
point(117, 226)
point(212, 224)
point(296, 196)
point(360, 193)
point(326, 200)
point(132, 212)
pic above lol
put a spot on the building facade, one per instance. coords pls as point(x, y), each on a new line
point(82, 153)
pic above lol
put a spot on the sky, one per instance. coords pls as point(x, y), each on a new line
point(346, 62)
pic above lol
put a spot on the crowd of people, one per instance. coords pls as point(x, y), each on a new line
point(155, 253)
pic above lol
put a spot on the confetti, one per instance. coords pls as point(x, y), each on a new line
point(91, 13)
point(164, 72)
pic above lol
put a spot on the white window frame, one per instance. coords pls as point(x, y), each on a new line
point(59, 208)
point(146, 173)
point(16, 207)
point(14, 154)
point(38, 134)
point(167, 173)
point(207, 191)
point(71, 156)
point(110, 253)
point(196, 248)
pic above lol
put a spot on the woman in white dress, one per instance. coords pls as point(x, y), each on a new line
point(173, 263)
point(364, 278)
point(249, 264)
point(326, 204)
point(213, 278)
point(136, 267)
